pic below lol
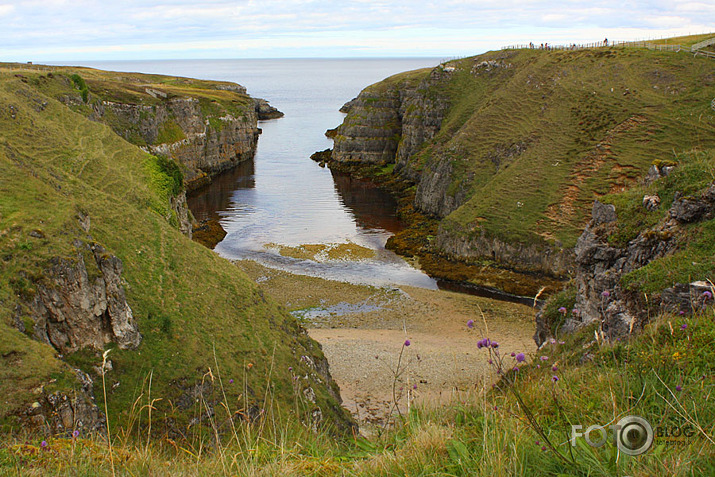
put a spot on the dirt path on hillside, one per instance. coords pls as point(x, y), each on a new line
point(362, 330)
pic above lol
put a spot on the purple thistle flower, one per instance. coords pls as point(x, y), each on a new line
point(707, 295)
point(407, 342)
point(490, 362)
point(43, 444)
point(681, 313)
point(520, 357)
point(75, 434)
point(230, 381)
point(513, 354)
point(678, 388)
point(562, 310)
point(544, 358)
point(562, 342)
point(575, 311)
point(470, 324)
point(515, 368)
point(554, 368)
point(538, 366)
point(496, 408)
point(605, 293)
point(552, 341)
point(538, 443)
point(543, 448)
point(495, 344)
point(414, 386)
point(683, 326)
point(554, 378)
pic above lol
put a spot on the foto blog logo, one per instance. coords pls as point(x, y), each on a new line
point(633, 435)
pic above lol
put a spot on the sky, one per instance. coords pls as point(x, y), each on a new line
point(57, 30)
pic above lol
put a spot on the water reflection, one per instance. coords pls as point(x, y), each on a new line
point(372, 207)
point(206, 202)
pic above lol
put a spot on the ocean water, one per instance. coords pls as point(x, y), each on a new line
point(283, 197)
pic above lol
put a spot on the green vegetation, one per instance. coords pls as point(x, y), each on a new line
point(200, 317)
point(81, 86)
point(534, 137)
point(695, 257)
point(663, 375)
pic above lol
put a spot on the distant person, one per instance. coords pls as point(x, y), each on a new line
point(605, 42)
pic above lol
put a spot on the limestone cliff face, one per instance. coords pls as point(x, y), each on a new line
point(79, 304)
point(205, 144)
point(541, 259)
point(388, 123)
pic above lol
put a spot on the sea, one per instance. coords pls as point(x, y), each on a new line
point(282, 197)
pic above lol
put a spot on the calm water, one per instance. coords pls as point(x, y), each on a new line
point(283, 197)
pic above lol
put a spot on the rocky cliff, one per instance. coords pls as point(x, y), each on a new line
point(93, 262)
point(666, 267)
point(508, 150)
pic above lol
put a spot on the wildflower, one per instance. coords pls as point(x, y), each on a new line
point(552, 341)
point(562, 342)
point(538, 366)
point(554, 368)
point(414, 386)
point(681, 313)
point(543, 448)
point(562, 310)
point(484, 343)
point(75, 434)
point(520, 357)
point(43, 444)
point(490, 361)
point(678, 388)
point(496, 408)
point(683, 326)
point(230, 381)
point(407, 342)
point(470, 324)
point(515, 368)
point(605, 294)
point(513, 354)
point(538, 443)
point(575, 311)
point(707, 295)
point(495, 344)
point(544, 358)
point(554, 378)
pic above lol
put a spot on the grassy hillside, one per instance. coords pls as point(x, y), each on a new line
point(537, 139)
point(201, 319)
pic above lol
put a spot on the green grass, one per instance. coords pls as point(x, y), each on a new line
point(694, 259)
point(662, 375)
point(195, 310)
point(589, 122)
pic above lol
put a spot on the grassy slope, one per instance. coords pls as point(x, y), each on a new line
point(132, 88)
point(592, 121)
point(663, 375)
point(188, 302)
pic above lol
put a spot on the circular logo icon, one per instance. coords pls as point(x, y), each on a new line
point(635, 435)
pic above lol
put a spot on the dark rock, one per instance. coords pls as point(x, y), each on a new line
point(265, 111)
point(602, 213)
point(208, 233)
point(688, 209)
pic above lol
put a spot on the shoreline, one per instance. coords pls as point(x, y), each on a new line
point(362, 330)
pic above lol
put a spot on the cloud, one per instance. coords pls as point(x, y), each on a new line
point(47, 28)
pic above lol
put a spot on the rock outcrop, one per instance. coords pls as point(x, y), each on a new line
point(205, 144)
point(600, 297)
point(389, 123)
point(79, 304)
